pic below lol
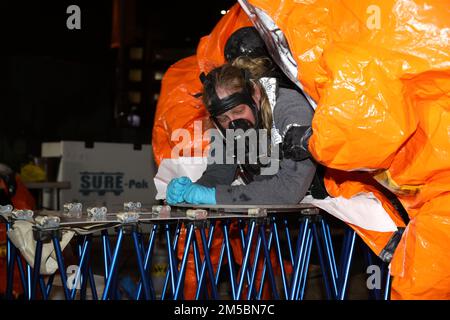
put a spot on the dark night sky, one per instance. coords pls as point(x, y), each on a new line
point(60, 84)
point(39, 27)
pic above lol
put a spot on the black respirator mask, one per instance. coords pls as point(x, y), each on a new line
point(220, 106)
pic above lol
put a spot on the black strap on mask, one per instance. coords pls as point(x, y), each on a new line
point(220, 106)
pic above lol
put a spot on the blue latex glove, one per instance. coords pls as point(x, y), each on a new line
point(198, 194)
point(176, 189)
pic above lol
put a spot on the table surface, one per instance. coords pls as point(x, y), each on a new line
point(271, 208)
point(178, 212)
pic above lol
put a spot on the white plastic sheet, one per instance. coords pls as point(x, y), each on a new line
point(21, 235)
point(192, 167)
point(363, 210)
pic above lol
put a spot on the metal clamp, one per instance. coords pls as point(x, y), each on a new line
point(6, 209)
point(132, 206)
point(197, 214)
point(128, 217)
point(161, 211)
point(97, 213)
point(73, 209)
point(310, 211)
point(257, 212)
point(22, 214)
point(47, 222)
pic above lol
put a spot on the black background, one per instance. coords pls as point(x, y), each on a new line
point(60, 84)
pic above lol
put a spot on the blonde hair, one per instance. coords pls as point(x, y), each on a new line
point(229, 76)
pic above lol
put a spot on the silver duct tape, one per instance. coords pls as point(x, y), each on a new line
point(197, 214)
point(47, 222)
point(6, 209)
point(128, 217)
point(97, 212)
point(257, 212)
point(22, 214)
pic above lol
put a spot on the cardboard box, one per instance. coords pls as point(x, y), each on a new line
point(107, 174)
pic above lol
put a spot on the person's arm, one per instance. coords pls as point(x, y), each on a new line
point(217, 173)
point(293, 179)
point(288, 186)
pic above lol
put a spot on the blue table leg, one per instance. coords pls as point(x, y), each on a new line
point(387, 287)
point(172, 271)
point(87, 274)
point(328, 240)
point(181, 274)
point(230, 259)
point(288, 238)
point(23, 278)
point(329, 253)
point(197, 260)
point(269, 263)
point(304, 226)
point(62, 269)
point(106, 253)
point(147, 262)
point(280, 257)
point(244, 240)
point(113, 267)
point(86, 271)
point(36, 269)
point(43, 288)
point(263, 275)
point(254, 270)
point(302, 264)
point(49, 284)
point(323, 265)
point(78, 273)
point(11, 259)
point(201, 280)
point(140, 263)
point(348, 255)
point(246, 259)
point(206, 247)
point(305, 266)
point(29, 280)
point(198, 267)
point(219, 266)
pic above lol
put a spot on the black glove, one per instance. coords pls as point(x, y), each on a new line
point(295, 143)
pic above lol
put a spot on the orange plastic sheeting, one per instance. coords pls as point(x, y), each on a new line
point(178, 108)
point(348, 184)
point(379, 72)
point(179, 105)
point(356, 74)
point(421, 264)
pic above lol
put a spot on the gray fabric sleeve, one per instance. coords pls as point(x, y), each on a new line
point(293, 179)
point(217, 173)
point(288, 186)
point(292, 109)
